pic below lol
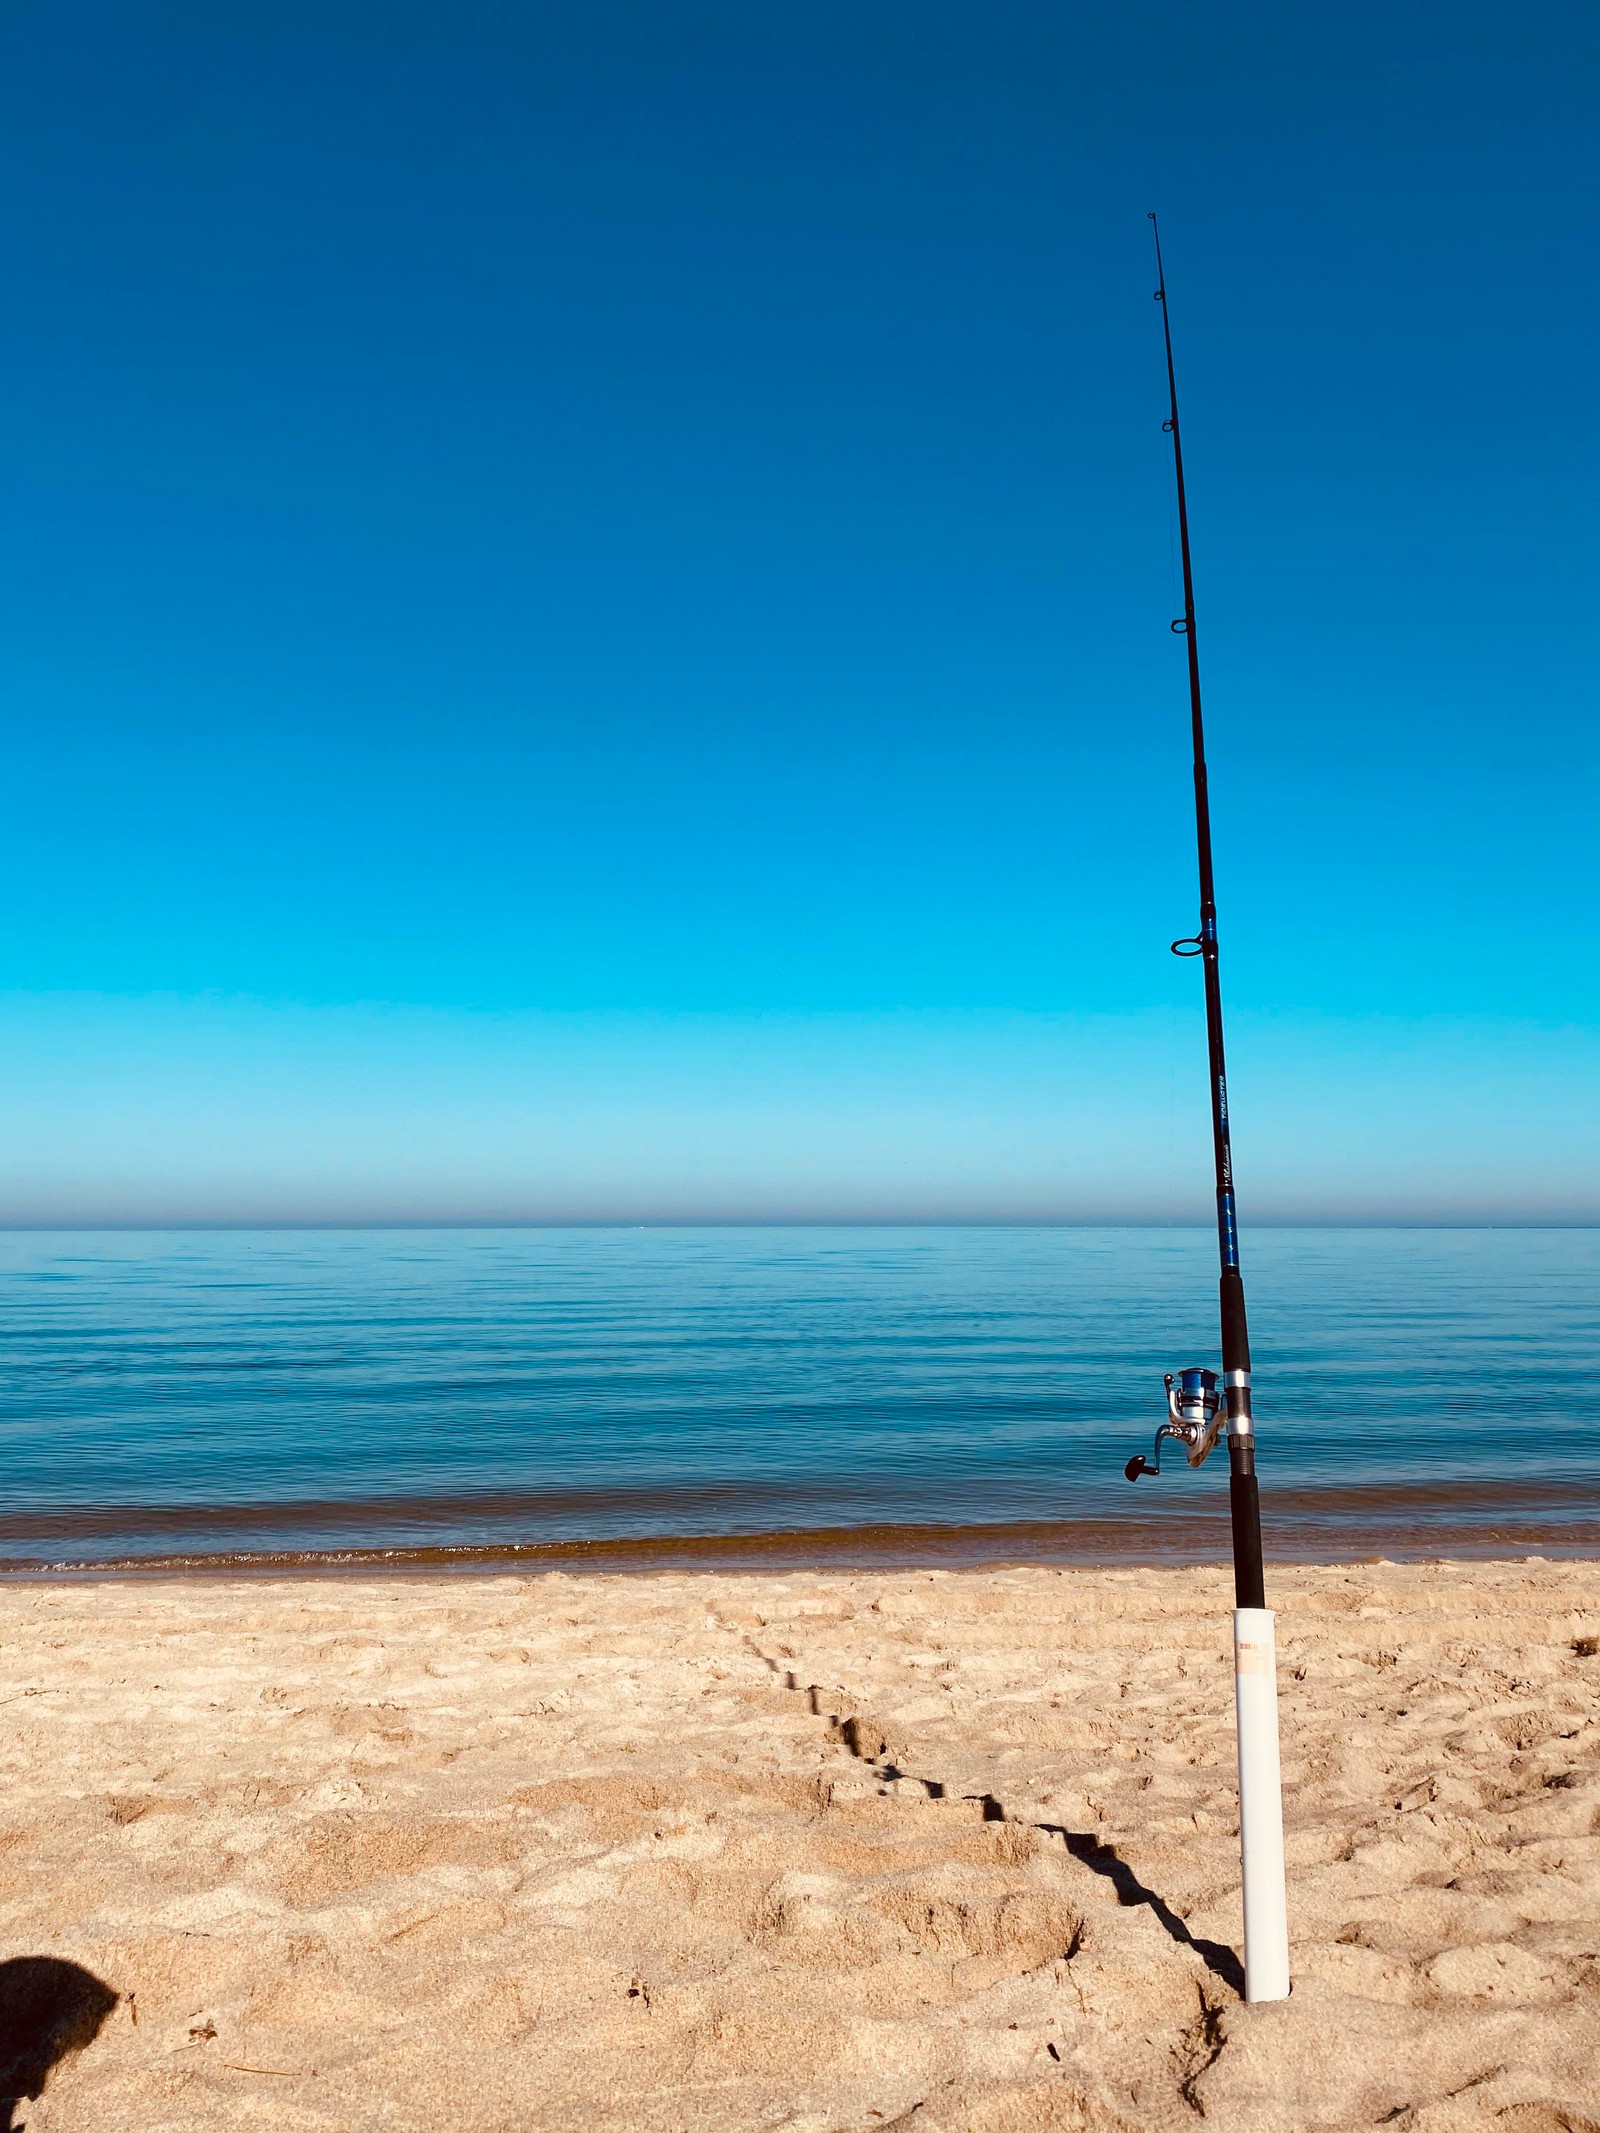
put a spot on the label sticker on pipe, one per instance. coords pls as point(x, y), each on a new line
point(1252, 1659)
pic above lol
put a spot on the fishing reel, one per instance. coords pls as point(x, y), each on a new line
point(1196, 1411)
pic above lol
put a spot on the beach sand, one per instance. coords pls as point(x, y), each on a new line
point(940, 1850)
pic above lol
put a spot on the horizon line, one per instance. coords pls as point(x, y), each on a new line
point(202, 1225)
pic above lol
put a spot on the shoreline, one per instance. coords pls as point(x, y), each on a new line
point(493, 1532)
point(705, 1528)
point(1302, 1527)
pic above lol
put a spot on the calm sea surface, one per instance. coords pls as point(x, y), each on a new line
point(283, 1393)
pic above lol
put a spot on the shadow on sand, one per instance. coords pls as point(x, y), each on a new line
point(859, 1738)
point(48, 2010)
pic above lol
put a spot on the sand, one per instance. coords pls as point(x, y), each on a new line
point(940, 1850)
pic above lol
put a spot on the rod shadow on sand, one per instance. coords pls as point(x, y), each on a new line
point(862, 1741)
point(48, 2010)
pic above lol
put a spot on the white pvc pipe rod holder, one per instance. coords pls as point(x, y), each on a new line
point(1266, 1913)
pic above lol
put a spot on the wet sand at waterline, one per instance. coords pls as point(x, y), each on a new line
point(939, 1849)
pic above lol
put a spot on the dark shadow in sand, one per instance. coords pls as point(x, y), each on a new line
point(860, 1739)
point(1104, 1859)
point(48, 2009)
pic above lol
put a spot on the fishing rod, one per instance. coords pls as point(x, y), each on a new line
point(1198, 1412)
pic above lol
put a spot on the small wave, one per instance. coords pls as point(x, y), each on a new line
point(1432, 1520)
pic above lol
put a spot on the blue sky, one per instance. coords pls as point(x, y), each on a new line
point(584, 593)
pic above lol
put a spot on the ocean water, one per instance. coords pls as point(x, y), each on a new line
point(633, 1395)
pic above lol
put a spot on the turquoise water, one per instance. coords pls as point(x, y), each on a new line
point(298, 1393)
